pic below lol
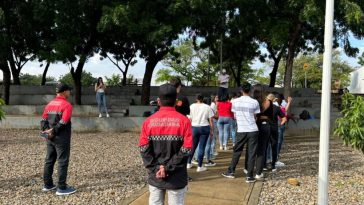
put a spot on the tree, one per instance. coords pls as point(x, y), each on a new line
point(28, 79)
point(114, 80)
point(152, 30)
point(2, 112)
point(361, 59)
point(87, 79)
point(164, 75)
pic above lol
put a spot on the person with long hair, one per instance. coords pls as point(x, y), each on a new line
point(225, 117)
point(100, 88)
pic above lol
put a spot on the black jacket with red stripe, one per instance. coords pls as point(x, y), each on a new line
point(57, 115)
point(166, 139)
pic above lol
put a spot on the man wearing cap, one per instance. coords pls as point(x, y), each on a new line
point(56, 128)
point(223, 83)
point(165, 143)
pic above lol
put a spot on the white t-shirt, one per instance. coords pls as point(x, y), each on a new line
point(213, 107)
point(200, 114)
point(224, 80)
point(245, 109)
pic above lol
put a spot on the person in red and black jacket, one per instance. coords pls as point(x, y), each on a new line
point(165, 144)
point(56, 126)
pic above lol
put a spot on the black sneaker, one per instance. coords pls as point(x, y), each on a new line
point(67, 191)
point(250, 180)
point(189, 179)
point(228, 175)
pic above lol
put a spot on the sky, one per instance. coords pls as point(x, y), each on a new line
point(102, 68)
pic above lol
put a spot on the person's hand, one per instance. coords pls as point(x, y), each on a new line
point(49, 132)
point(161, 172)
point(289, 99)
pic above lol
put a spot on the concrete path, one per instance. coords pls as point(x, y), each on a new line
point(211, 188)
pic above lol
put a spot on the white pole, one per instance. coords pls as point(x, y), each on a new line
point(325, 106)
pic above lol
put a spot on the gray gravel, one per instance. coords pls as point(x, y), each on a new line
point(301, 156)
point(105, 168)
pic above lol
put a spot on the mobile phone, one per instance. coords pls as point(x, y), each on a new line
point(44, 135)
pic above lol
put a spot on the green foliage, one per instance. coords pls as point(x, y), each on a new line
point(163, 75)
point(2, 112)
point(114, 80)
point(340, 71)
point(350, 127)
point(361, 59)
point(28, 79)
point(87, 79)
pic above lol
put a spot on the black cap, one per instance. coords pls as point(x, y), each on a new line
point(60, 88)
point(167, 91)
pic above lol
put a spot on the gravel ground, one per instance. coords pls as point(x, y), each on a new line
point(105, 168)
point(301, 156)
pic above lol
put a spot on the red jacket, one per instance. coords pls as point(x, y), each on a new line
point(166, 139)
point(57, 115)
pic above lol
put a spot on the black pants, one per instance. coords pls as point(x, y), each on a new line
point(58, 149)
point(273, 140)
point(264, 134)
point(251, 138)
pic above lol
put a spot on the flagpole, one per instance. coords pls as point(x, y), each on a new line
point(325, 106)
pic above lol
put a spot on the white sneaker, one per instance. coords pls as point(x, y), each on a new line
point(280, 164)
point(194, 162)
point(189, 166)
point(215, 153)
point(259, 177)
point(100, 115)
point(221, 148)
point(107, 115)
point(245, 171)
point(201, 169)
point(225, 147)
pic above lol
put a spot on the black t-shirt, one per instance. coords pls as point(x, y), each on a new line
point(183, 105)
point(277, 112)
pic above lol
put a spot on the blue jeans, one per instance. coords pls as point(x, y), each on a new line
point(233, 130)
point(211, 142)
point(223, 124)
point(101, 102)
point(200, 136)
point(281, 130)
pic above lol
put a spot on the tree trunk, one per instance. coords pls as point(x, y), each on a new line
point(238, 75)
point(294, 37)
point(273, 74)
point(77, 75)
point(123, 82)
point(147, 80)
point(44, 76)
point(14, 71)
point(6, 82)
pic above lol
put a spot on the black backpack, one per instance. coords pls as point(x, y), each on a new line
point(305, 115)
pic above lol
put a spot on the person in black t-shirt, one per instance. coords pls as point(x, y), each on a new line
point(182, 104)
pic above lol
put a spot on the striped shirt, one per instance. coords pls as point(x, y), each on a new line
point(245, 109)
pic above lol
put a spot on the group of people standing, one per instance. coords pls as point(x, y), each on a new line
point(171, 136)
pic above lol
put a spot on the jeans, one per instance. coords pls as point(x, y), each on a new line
point(200, 136)
point(223, 124)
point(101, 102)
point(272, 145)
point(210, 150)
point(233, 126)
point(175, 196)
point(264, 135)
point(281, 130)
point(57, 150)
point(251, 138)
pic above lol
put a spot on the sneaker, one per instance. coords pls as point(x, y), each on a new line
point(225, 147)
point(194, 162)
point(259, 176)
point(221, 148)
point(107, 115)
point(67, 191)
point(250, 180)
point(265, 169)
point(274, 169)
point(280, 164)
point(189, 179)
point(210, 164)
point(245, 171)
point(100, 115)
point(49, 188)
point(228, 175)
point(215, 154)
point(201, 169)
point(189, 166)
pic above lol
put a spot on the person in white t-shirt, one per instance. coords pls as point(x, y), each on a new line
point(245, 109)
point(201, 116)
point(223, 79)
point(100, 88)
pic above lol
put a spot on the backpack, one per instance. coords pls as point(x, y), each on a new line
point(305, 115)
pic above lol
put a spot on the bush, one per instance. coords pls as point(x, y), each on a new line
point(2, 112)
point(350, 127)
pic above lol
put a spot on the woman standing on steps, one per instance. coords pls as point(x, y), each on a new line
point(100, 88)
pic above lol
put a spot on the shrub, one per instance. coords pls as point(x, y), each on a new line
point(350, 127)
